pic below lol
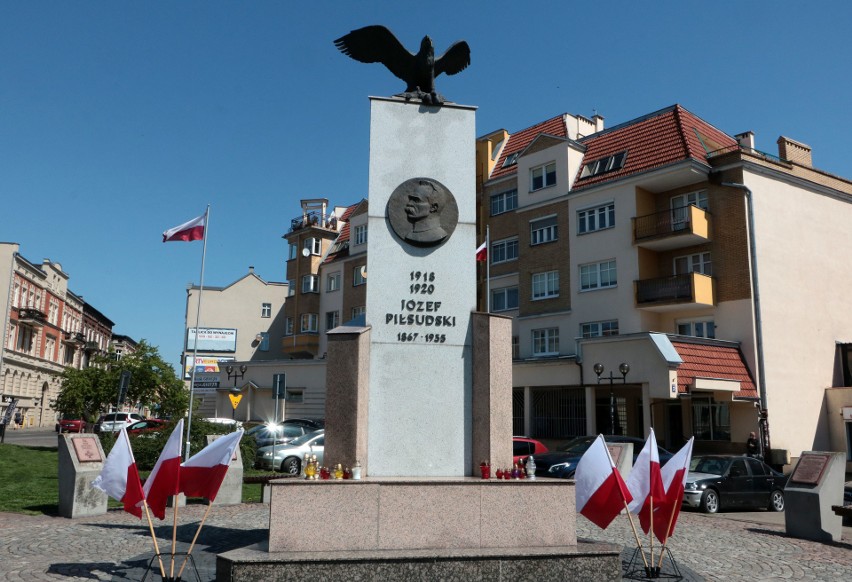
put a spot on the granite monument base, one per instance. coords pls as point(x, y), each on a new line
point(81, 459)
point(814, 486)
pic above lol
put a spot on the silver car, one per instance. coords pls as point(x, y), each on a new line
point(115, 421)
point(288, 458)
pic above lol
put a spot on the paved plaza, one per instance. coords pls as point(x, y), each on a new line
point(117, 546)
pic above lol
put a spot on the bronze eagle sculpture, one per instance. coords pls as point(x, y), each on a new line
point(377, 44)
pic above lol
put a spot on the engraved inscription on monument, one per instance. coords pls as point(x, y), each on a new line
point(87, 449)
point(422, 212)
point(810, 469)
point(615, 452)
point(420, 317)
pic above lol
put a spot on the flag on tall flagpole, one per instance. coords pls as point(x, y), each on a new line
point(203, 473)
point(119, 476)
point(482, 251)
point(673, 475)
point(644, 480)
point(188, 231)
point(601, 492)
point(164, 480)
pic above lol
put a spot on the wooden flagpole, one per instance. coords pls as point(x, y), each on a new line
point(154, 537)
point(635, 534)
point(668, 529)
point(651, 529)
point(174, 536)
point(192, 545)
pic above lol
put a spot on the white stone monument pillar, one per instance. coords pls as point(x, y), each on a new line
point(420, 293)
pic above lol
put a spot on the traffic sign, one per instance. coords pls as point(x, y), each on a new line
point(235, 399)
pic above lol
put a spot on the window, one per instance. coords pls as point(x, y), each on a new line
point(10, 339)
point(680, 207)
point(542, 177)
point(293, 252)
point(511, 159)
point(264, 341)
point(700, 328)
point(504, 299)
point(593, 219)
point(543, 230)
point(516, 347)
point(310, 284)
point(360, 310)
point(361, 234)
point(697, 263)
point(332, 320)
point(711, 421)
point(599, 328)
point(288, 326)
point(545, 342)
point(358, 277)
point(25, 339)
point(314, 245)
point(504, 202)
point(294, 395)
point(266, 310)
point(504, 250)
point(598, 275)
point(309, 323)
point(603, 165)
point(545, 285)
point(49, 348)
point(291, 287)
point(332, 282)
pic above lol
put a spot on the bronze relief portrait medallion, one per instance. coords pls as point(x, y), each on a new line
point(422, 212)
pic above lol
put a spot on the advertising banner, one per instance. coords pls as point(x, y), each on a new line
point(204, 365)
point(212, 339)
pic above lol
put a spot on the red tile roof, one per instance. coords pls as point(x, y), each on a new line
point(341, 243)
point(519, 141)
point(658, 139)
point(713, 362)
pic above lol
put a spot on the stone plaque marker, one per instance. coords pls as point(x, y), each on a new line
point(815, 485)
point(87, 449)
point(81, 459)
point(810, 468)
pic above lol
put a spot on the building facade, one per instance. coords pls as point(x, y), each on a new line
point(46, 328)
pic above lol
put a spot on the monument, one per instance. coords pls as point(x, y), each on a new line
point(81, 459)
point(419, 392)
point(815, 484)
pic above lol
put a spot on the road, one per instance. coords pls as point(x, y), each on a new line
point(31, 437)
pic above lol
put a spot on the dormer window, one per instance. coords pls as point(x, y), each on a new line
point(542, 177)
point(603, 165)
point(511, 159)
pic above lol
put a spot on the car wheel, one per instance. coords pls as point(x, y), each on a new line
point(291, 465)
point(776, 501)
point(710, 501)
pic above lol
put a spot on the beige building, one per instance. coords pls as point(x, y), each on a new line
point(689, 255)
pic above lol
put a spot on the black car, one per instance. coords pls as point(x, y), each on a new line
point(562, 462)
point(717, 481)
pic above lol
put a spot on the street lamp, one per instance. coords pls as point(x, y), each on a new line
point(624, 369)
point(232, 373)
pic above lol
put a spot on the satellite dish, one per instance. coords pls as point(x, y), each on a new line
point(306, 253)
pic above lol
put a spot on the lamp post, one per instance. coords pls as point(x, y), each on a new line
point(624, 369)
point(232, 373)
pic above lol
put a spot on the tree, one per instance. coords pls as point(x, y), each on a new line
point(153, 383)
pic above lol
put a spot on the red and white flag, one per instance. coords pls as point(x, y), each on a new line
point(164, 480)
point(601, 492)
point(203, 473)
point(644, 481)
point(119, 476)
point(482, 251)
point(188, 231)
point(673, 475)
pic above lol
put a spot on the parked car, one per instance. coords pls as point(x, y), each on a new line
point(288, 458)
point(280, 434)
point(147, 425)
point(70, 424)
point(115, 421)
point(523, 447)
point(227, 421)
point(717, 481)
point(562, 462)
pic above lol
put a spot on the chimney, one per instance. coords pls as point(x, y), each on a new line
point(251, 269)
point(794, 151)
point(746, 140)
point(599, 122)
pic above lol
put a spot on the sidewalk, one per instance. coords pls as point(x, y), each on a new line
point(117, 546)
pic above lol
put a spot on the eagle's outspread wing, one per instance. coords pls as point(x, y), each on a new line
point(377, 44)
point(455, 60)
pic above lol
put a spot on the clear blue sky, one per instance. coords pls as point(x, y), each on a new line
point(119, 120)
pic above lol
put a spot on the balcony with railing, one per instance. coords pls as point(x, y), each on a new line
point(314, 219)
point(672, 229)
point(74, 338)
point(686, 291)
point(91, 346)
point(31, 316)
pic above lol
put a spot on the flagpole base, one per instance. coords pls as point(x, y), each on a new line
point(635, 569)
point(166, 558)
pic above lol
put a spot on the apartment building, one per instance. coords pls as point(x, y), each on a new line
point(46, 328)
point(665, 244)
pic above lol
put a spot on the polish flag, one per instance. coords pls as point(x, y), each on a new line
point(644, 481)
point(188, 231)
point(482, 252)
point(164, 480)
point(601, 492)
point(673, 475)
point(203, 473)
point(119, 477)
